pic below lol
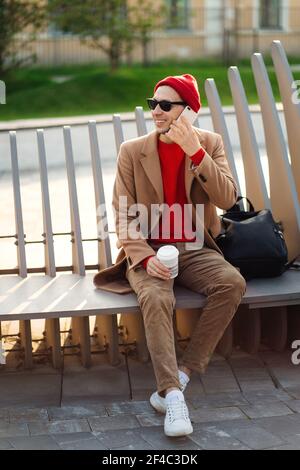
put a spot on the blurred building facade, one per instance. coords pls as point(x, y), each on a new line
point(228, 29)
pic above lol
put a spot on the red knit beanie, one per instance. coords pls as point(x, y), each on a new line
point(186, 86)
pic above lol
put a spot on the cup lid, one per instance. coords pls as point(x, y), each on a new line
point(167, 251)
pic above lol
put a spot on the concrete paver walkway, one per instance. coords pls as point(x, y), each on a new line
point(245, 402)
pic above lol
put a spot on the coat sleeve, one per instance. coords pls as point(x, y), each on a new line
point(124, 197)
point(215, 177)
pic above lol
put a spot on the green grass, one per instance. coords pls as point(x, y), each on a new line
point(92, 89)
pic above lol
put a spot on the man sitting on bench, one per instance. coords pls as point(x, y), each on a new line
point(177, 164)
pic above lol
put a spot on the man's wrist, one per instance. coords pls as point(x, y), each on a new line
point(193, 150)
point(145, 261)
point(198, 156)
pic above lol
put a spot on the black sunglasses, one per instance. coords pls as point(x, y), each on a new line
point(165, 105)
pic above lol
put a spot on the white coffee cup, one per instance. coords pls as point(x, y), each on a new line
point(168, 255)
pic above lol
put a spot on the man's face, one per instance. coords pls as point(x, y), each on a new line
point(163, 119)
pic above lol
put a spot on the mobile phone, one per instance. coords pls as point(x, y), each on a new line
point(190, 114)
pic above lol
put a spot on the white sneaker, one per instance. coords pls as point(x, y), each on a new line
point(159, 403)
point(177, 421)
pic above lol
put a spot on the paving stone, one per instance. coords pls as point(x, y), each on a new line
point(151, 420)
point(285, 447)
point(5, 444)
point(195, 387)
point(266, 410)
point(218, 400)
point(113, 422)
point(62, 439)
point(218, 377)
point(218, 414)
point(34, 443)
point(121, 438)
point(215, 384)
point(212, 438)
point(293, 439)
point(251, 435)
point(294, 405)
point(248, 361)
point(254, 373)
point(282, 426)
point(294, 392)
point(134, 446)
point(251, 373)
point(30, 389)
point(253, 385)
point(57, 427)
point(142, 379)
point(28, 415)
point(290, 381)
point(130, 407)
point(108, 381)
point(70, 412)
point(4, 415)
point(87, 444)
point(285, 372)
point(11, 430)
point(258, 397)
point(274, 358)
point(159, 441)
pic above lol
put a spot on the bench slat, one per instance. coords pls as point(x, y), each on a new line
point(47, 222)
point(77, 249)
point(283, 194)
point(118, 131)
point(104, 253)
point(18, 206)
point(140, 121)
point(256, 189)
point(290, 108)
point(220, 126)
point(70, 294)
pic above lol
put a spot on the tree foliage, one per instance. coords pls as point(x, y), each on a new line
point(110, 25)
point(19, 21)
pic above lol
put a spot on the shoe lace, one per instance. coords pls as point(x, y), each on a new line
point(177, 410)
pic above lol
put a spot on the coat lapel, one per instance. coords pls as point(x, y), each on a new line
point(151, 164)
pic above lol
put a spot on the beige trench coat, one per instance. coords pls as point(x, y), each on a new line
point(139, 179)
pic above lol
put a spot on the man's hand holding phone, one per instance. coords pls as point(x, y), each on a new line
point(182, 132)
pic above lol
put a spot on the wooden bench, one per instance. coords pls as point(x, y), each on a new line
point(52, 293)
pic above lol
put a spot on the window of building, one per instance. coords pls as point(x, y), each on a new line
point(177, 14)
point(270, 14)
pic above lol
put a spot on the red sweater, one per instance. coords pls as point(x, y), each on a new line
point(172, 162)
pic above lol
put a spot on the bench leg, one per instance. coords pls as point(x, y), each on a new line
point(248, 329)
point(107, 334)
point(81, 335)
point(52, 329)
point(274, 327)
point(225, 345)
point(135, 332)
point(26, 343)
